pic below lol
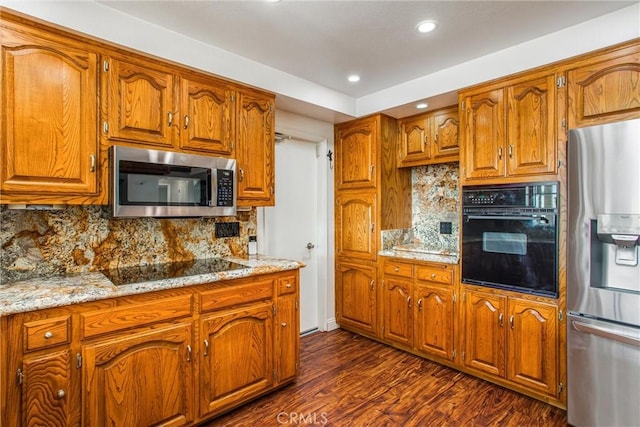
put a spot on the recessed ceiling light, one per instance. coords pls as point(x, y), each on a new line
point(353, 78)
point(426, 26)
point(422, 105)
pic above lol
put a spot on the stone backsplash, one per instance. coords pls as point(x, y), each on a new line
point(435, 198)
point(86, 238)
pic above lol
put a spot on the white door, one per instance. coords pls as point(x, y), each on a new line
point(291, 227)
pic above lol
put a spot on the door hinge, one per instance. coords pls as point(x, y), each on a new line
point(564, 123)
point(463, 105)
point(105, 66)
point(273, 309)
point(560, 388)
point(275, 375)
point(296, 305)
point(453, 355)
point(233, 98)
point(463, 355)
point(105, 127)
point(19, 376)
point(296, 366)
point(561, 82)
point(78, 360)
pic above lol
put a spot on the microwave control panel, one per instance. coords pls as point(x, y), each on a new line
point(225, 187)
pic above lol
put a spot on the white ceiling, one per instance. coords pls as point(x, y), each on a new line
point(321, 42)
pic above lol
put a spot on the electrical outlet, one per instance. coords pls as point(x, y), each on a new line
point(227, 229)
point(445, 227)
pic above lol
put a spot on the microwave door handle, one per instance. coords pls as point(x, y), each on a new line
point(513, 217)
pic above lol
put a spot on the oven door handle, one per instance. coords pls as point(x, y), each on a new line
point(511, 217)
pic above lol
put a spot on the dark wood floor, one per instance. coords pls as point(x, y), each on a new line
point(348, 380)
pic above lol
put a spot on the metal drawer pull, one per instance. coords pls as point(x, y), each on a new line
point(288, 285)
point(283, 324)
point(433, 275)
point(605, 333)
point(396, 269)
point(48, 335)
point(61, 394)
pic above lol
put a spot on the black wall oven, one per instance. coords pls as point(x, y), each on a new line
point(510, 237)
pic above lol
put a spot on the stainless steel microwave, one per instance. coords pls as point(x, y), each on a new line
point(154, 183)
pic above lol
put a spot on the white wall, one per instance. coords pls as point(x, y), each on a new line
point(309, 129)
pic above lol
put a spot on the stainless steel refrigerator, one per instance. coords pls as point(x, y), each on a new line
point(603, 275)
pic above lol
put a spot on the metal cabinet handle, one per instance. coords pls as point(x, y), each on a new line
point(372, 169)
point(241, 177)
point(501, 319)
point(372, 284)
point(92, 163)
point(48, 335)
point(500, 153)
point(288, 286)
point(409, 302)
point(433, 275)
point(170, 118)
point(206, 348)
point(186, 121)
point(510, 151)
point(188, 353)
point(511, 321)
point(283, 324)
point(420, 304)
point(396, 269)
point(61, 394)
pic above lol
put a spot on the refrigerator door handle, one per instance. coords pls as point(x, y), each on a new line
point(605, 333)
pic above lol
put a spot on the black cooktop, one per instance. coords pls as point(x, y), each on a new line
point(152, 272)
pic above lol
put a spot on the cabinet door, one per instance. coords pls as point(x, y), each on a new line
point(533, 345)
point(396, 310)
point(237, 361)
point(356, 148)
point(46, 396)
point(49, 118)
point(414, 141)
point(355, 225)
point(531, 127)
point(605, 90)
point(144, 378)
point(287, 337)
point(445, 136)
point(207, 116)
point(484, 332)
point(140, 103)
point(483, 148)
point(434, 320)
point(356, 296)
point(255, 150)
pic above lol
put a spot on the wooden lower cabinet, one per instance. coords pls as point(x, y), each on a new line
point(434, 320)
point(144, 359)
point(397, 325)
point(356, 297)
point(140, 378)
point(512, 338)
point(237, 361)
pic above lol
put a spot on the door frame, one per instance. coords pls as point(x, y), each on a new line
point(324, 253)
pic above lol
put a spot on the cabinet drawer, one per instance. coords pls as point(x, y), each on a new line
point(234, 294)
point(45, 333)
point(133, 315)
point(287, 285)
point(442, 274)
point(398, 269)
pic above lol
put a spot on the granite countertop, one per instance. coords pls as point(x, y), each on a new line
point(419, 253)
point(46, 292)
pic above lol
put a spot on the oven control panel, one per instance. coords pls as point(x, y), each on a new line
point(537, 195)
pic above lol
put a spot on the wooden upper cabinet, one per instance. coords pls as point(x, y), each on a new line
point(49, 143)
point(531, 132)
point(355, 217)
point(139, 102)
point(356, 154)
point(605, 88)
point(429, 138)
point(255, 149)
point(140, 378)
point(533, 345)
point(484, 135)
point(207, 119)
point(510, 131)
